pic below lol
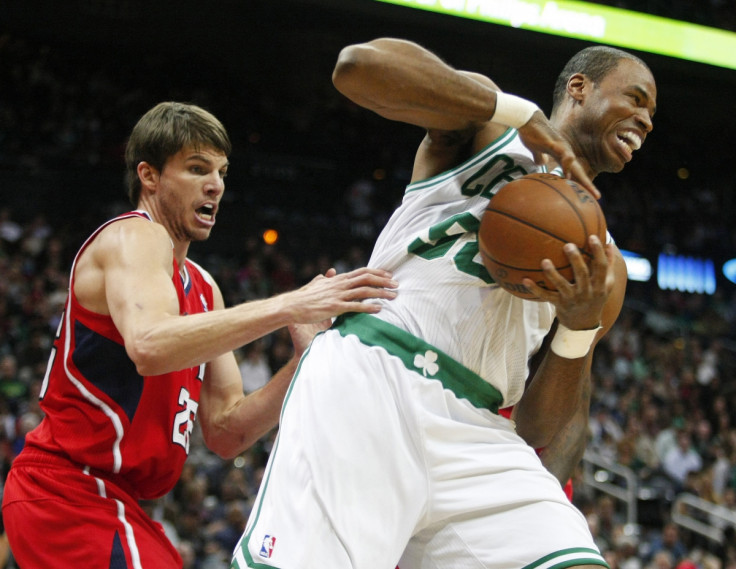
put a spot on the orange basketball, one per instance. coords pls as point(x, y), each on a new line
point(530, 219)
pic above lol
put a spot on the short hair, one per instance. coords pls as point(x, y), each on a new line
point(595, 63)
point(163, 131)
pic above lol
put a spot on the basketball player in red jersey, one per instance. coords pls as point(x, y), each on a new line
point(144, 347)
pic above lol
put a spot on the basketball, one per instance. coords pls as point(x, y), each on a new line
point(530, 219)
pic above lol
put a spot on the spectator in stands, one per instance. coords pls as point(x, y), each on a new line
point(661, 560)
point(253, 365)
point(12, 388)
point(681, 459)
point(669, 542)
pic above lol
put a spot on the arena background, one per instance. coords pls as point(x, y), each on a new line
point(76, 75)
point(264, 68)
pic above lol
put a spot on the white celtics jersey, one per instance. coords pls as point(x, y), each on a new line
point(446, 297)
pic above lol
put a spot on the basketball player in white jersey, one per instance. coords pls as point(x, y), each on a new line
point(390, 447)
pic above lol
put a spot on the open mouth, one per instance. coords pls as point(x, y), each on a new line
point(206, 212)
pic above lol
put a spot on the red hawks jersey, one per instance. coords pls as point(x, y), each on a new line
point(100, 413)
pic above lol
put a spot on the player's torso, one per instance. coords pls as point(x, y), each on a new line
point(446, 296)
point(101, 413)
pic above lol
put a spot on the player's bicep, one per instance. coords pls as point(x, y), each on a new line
point(137, 267)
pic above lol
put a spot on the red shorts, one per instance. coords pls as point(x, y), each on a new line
point(57, 516)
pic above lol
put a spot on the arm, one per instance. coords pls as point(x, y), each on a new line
point(402, 81)
point(231, 421)
point(565, 451)
point(555, 403)
point(126, 272)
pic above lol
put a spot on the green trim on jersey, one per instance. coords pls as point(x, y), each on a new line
point(505, 139)
point(423, 358)
point(569, 557)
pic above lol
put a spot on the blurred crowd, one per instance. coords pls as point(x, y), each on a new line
point(664, 403)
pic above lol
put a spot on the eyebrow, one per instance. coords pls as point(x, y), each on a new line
point(643, 92)
point(204, 158)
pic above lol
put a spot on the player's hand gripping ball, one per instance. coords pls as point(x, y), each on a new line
point(530, 219)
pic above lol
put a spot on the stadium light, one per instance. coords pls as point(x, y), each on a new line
point(686, 274)
point(729, 270)
point(596, 23)
point(638, 268)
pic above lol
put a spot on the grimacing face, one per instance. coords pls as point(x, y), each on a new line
point(191, 185)
point(617, 116)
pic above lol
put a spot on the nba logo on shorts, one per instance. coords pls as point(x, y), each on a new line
point(267, 546)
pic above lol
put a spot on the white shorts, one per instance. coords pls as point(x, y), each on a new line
point(374, 462)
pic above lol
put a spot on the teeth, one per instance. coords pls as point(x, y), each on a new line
point(632, 140)
point(206, 211)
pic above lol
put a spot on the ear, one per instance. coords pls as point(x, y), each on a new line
point(577, 87)
point(148, 175)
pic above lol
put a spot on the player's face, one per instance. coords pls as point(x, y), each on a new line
point(619, 115)
point(191, 185)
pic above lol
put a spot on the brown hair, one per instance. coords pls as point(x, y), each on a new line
point(165, 130)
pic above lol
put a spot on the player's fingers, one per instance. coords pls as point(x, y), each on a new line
point(553, 276)
point(610, 278)
point(574, 170)
point(539, 292)
point(367, 271)
point(580, 271)
point(541, 158)
point(366, 307)
point(599, 264)
point(366, 292)
point(372, 277)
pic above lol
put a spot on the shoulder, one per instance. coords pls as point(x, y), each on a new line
point(442, 150)
point(134, 230)
point(131, 239)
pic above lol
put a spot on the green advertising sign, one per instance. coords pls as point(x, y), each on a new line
point(596, 23)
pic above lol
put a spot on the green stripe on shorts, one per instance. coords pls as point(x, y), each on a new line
point(572, 557)
point(421, 357)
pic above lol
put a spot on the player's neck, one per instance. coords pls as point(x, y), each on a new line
point(568, 132)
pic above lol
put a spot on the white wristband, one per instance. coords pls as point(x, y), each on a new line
point(512, 111)
point(572, 344)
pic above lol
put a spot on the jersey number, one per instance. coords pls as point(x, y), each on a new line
point(444, 235)
point(184, 419)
